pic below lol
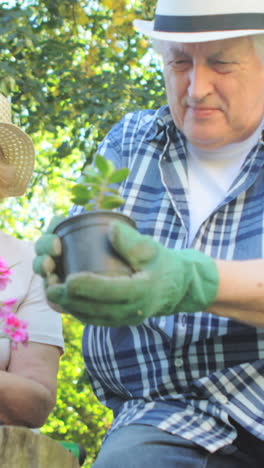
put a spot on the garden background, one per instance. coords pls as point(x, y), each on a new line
point(72, 68)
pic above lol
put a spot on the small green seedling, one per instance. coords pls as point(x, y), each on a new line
point(94, 189)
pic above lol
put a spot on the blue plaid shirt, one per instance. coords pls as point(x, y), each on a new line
point(187, 373)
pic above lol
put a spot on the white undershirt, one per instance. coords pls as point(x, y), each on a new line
point(211, 174)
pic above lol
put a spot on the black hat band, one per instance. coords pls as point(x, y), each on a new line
point(192, 24)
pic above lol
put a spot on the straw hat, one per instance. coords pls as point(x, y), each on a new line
point(204, 20)
point(16, 151)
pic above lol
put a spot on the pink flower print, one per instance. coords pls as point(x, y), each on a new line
point(6, 307)
point(5, 273)
point(10, 326)
point(15, 329)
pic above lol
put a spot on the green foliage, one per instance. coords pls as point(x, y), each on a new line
point(94, 190)
point(72, 69)
point(77, 417)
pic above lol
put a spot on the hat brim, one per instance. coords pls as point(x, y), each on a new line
point(147, 28)
point(18, 151)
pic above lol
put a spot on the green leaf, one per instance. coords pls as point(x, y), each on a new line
point(113, 190)
point(89, 206)
point(111, 202)
point(118, 176)
point(105, 166)
point(81, 195)
point(90, 174)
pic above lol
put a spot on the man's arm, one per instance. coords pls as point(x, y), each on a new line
point(28, 387)
point(240, 293)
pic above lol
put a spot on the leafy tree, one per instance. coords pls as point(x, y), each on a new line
point(72, 68)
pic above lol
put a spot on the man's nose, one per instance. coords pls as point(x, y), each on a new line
point(200, 82)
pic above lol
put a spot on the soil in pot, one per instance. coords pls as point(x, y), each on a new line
point(85, 244)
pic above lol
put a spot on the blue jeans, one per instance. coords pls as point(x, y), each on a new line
point(142, 446)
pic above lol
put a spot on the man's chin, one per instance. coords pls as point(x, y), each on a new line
point(206, 140)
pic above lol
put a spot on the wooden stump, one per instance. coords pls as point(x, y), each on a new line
point(22, 448)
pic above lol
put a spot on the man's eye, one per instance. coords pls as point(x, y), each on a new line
point(221, 62)
point(223, 66)
point(179, 63)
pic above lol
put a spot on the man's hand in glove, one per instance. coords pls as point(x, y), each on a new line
point(165, 281)
point(48, 248)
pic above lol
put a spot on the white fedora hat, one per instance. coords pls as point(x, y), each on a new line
point(16, 151)
point(204, 20)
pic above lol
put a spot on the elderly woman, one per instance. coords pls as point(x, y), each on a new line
point(28, 373)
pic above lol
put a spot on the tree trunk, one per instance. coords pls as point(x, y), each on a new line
point(22, 448)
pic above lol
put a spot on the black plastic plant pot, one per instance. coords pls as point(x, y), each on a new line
point(85, 244)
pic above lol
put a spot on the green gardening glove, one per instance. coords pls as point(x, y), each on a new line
point(48, 249)
point(165, 282)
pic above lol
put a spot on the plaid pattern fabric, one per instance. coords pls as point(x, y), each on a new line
point(185, 373)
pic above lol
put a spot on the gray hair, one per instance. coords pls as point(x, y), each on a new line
point(258, 41)
point(161, 46)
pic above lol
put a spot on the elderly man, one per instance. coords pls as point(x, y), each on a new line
point(176, 350)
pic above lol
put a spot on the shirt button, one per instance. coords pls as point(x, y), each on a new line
point(179, 362)
point(184, 320)
point(228, 449)
point(223, 399)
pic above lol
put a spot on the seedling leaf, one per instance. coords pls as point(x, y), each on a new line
point(118, 176)
point(105, 166)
